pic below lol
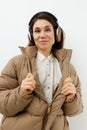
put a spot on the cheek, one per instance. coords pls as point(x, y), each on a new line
point(35, 38)
point(53, 39)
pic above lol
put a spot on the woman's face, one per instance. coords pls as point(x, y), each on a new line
point(43, 34)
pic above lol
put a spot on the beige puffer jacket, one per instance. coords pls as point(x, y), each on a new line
point(32, 112)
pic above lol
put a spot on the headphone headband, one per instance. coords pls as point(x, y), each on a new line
point(44, 15)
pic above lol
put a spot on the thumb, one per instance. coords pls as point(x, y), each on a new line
point(28, 75)
point(68, 79)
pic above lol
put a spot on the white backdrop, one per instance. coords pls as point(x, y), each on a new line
point(72, 17)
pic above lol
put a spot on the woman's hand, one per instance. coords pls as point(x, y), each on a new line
point(68, 89)
point(28, 84)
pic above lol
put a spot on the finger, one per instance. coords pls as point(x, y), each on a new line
point(67, 85)
point(31, 83)
point(30, 88)
point(29, 79)
point(68, 89)
point(68, 79)
point(69, 96)
point(67, 92)
point(29, 75)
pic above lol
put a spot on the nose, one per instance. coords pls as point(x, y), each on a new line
point(42, 34)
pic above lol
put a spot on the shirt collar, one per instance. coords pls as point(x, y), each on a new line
point(41, 57)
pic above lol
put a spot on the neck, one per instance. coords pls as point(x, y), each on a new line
point(47, 53)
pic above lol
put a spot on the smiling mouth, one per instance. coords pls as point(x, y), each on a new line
point(43, 41)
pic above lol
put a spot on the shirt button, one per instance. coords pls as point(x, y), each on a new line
point(48, 74)
point(48, 87)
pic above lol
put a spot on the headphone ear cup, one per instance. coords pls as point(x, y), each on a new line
point(57, 31)
point(29, 38)
point(58, 34)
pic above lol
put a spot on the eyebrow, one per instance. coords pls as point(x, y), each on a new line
point(47, 26)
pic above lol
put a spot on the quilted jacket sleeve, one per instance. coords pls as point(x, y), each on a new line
point(74, 106)
point(12, 100)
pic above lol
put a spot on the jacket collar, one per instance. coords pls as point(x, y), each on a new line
point(61, 54)
point(30, 51)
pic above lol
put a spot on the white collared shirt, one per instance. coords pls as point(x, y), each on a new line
point(49, 74)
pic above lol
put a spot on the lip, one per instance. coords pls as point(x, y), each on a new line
point(43, 41)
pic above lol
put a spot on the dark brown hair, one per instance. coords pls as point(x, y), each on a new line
point(59, 37)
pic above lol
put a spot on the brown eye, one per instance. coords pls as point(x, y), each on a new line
point(37, 31)
point(47, 29)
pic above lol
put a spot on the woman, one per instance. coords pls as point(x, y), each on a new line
point(40, 87)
